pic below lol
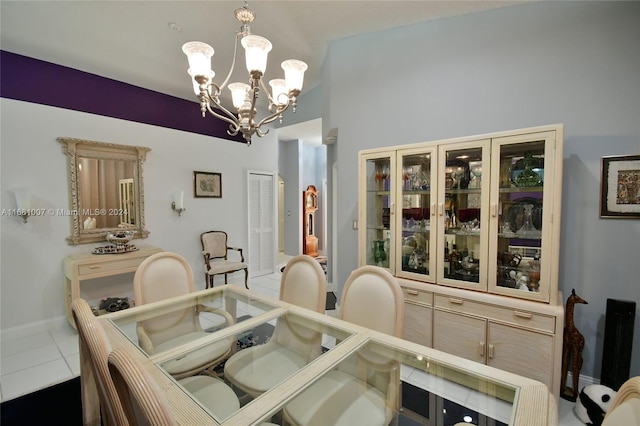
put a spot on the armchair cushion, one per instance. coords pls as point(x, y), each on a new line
point(224, 266)
point(338, 398)
point(249, 368)
point(214, 394)
point(197, 357)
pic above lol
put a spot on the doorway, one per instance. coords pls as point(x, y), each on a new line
point(262, 223)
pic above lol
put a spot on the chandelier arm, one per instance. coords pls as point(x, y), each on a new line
point(261, 133)
point(233, 63)
point(267, 92)
point(229, 118)
point(272, 117)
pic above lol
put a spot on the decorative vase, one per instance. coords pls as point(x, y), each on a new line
point(379, 254)
point(528, 177)
point(527, 230)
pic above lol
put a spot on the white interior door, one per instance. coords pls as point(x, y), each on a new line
point(262, 223)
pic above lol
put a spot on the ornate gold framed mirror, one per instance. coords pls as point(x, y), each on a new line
point(106, 190)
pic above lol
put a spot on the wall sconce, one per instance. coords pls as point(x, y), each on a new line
point(178, 202)
point(23, 202)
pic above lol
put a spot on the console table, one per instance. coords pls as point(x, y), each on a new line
point(87, 266)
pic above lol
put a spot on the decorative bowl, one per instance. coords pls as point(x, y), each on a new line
point(120, 237)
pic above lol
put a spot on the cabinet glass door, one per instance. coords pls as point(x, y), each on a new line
point(416, 252)
point(519, 263)
point(463, 199)
point(377, 209)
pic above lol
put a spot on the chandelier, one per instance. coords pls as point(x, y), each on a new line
point(284, 92)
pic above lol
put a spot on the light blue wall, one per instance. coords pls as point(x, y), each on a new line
point(290, 161)
point(576, 63)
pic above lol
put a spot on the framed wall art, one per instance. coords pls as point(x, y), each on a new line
point(620, 187)
point(207, 185)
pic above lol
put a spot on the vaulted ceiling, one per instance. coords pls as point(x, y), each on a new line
point(139, 42)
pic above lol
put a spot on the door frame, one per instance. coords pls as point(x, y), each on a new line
point(274, 215)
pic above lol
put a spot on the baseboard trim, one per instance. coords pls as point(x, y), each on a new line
point(51, 324)
point(583, 380)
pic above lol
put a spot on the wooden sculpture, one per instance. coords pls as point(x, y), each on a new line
point(572, 345)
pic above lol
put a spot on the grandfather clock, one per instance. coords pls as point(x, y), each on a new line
point(309, 207)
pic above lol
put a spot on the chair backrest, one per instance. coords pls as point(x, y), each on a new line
point(625, 408)
point(144, 403)
point(373, 298)
point(96, 348)
point(214, 243)
point(161, 276)
point(304, 284)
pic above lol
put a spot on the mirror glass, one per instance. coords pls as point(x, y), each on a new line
point(105, 189)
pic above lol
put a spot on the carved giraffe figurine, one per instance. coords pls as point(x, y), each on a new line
point(572, 345)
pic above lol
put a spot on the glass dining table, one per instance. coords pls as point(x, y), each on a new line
point(418, 385)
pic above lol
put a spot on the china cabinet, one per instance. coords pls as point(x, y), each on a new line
point(474, 223)
point(376, 174)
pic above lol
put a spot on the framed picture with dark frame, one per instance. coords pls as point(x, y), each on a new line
point(620, 187)
point(207, 185)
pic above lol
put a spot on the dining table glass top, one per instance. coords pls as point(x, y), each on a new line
point(337, 372)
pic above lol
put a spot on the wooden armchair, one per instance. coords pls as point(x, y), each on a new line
point(216, 257)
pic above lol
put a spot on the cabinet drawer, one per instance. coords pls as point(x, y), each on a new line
point(522, 318)
point(116, 264)
point(417, 296)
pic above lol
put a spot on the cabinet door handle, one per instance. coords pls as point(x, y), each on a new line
point(482, 349)
point(95, 266)
point(412, 292)
point(525, 315)
point(490, 351)
point(494, 210)
point(456, 301)
point(441, 209)
point(392, 210)
point(433, 209)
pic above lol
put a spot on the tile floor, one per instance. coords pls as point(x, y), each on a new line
point(41, 359)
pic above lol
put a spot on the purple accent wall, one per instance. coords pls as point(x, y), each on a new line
point(32, 80)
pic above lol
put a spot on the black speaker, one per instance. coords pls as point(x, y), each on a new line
point(618, 341)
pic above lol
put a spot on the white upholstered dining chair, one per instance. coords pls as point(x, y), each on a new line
point(257, 369)
point(365, 389)
point(211, 392)
point(164, 275)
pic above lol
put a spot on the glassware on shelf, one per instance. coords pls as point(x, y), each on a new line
point(534, 273)
point(420, 181)
point(528, 177)
point(476, 172)
point(527, 230)
point(418, 258)
point(386, 178)
point(379, 253)
point(506, 230)
point(456, 175)
point(406, 178)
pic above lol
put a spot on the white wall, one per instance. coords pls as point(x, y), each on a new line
point(31, 278)
point(576, 63)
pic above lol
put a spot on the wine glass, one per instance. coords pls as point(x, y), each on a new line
point(476, 171)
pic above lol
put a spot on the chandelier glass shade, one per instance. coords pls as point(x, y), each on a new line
point(284, 92)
